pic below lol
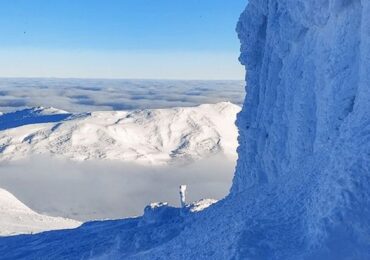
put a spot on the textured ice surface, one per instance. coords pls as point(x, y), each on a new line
point(304, 128)
point(301, 188)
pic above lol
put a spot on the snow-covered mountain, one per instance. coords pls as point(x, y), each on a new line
point(31, 116)
point(301, 187)
point(17, 218)
point(156, 136)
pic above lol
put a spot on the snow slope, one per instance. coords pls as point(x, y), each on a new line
point(157, 136)
point(31, 116)
point(301, 187)
point(17, 218)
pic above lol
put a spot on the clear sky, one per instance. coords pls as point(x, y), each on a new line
point(170, 39)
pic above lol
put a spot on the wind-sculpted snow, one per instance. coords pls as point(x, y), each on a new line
point(110, 239)
point(301, 187)
point(17, 218)
point(158, 136)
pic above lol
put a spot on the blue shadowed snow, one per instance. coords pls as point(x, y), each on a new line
point(159, 224)
point(30, 116)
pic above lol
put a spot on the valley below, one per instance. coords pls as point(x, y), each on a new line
point(112, 164)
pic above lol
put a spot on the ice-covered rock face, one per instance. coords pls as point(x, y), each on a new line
point(306, 115)
point(308, 66)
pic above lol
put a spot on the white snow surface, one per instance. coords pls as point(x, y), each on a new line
point(201, 205)
point(16, 218)
point(45, 111)
point(301, 187)
point(153, 136)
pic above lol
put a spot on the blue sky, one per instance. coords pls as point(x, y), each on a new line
point(173, 39)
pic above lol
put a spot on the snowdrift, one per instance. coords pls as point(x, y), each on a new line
point(301, 187)
point(16, 218)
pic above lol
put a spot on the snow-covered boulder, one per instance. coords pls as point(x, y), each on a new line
point(160, 212)
point(200, 205)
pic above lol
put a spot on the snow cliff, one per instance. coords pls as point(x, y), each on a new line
point(304, 128)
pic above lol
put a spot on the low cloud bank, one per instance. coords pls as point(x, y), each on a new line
point(100, 189)
point(86, 95)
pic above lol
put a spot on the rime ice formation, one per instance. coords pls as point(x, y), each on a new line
point(301, 188)
point(305, 127)
point(153, 136)
point(183, 195)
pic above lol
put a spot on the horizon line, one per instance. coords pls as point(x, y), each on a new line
point(114, 78)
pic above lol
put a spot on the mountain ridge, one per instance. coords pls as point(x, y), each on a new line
point(149, 136)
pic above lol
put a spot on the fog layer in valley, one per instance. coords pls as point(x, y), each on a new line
point(87, 95)
point(98, 190)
